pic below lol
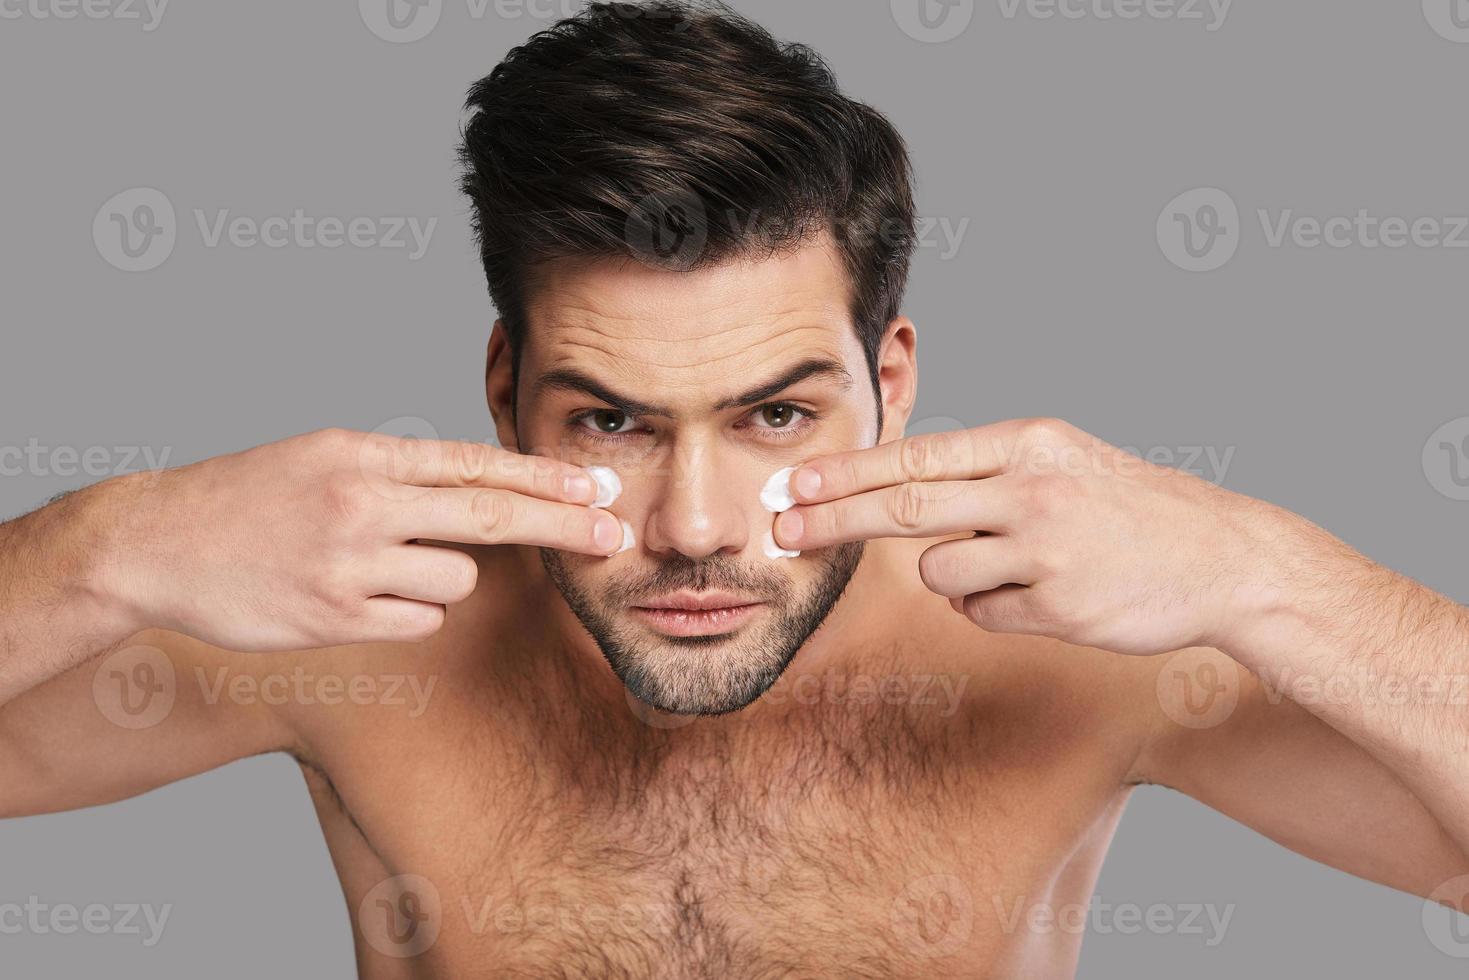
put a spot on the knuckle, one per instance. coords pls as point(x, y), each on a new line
point(922, 458)
point(907, 506)
point(337, 597)
point(332, 438)
point(492, 514)
point(467, 462)
point(348, 501)
point(536, 471)
point(1047, 432)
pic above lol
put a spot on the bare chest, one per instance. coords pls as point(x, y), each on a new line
point(890, 843)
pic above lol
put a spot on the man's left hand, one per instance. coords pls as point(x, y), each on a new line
point(1069, 537)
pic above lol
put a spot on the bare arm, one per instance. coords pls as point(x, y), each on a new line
point(1271, 764)
point(1380, 658)
point(313, 541)
point(53, 611)
point(94, 734)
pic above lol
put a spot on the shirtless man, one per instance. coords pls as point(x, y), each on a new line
point(655, 745)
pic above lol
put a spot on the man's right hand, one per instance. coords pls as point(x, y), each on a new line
point(313, 541)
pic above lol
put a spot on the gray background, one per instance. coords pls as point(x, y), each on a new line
point(1061, 140)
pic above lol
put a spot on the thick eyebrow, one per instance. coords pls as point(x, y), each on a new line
point(814, 367)
point(569, 379)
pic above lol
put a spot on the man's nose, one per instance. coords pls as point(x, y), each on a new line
point(698, 508)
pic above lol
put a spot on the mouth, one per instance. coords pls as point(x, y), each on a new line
point(698, 613)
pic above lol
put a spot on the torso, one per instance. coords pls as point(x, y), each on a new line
point(904, 810)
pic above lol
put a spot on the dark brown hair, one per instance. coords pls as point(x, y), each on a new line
point(681, 133)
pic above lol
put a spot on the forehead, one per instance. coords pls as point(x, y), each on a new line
point(701, 331)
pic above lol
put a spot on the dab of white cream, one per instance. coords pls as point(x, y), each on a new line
point(776, 495)
point(609, 485)
point(628, 539)
point(773, 550)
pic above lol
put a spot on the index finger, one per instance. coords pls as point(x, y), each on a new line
point(439, 463)
point(970, 454)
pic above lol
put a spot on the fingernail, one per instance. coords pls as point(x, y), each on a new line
point(808, 483)
point(775, 496)
point(793, 525)
point(578, 487)
point(607, 534)
point(609, 486)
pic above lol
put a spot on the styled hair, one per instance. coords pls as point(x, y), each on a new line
point(681, 133)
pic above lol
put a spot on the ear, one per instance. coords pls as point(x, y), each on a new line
point(500, 387)
point(897, 376)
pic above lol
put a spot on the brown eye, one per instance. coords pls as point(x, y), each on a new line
point(607, 420)
point(777, 416)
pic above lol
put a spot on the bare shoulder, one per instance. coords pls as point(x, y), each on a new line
point(1100, 705)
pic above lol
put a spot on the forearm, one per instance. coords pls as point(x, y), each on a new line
point(1379, 657)
point(55, 610)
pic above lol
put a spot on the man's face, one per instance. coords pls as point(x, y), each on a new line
point(696, 387)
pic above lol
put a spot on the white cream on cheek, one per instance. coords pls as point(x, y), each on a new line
point(773, 550)
point(776, 497)
point(609, 485)
point(628, 539)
